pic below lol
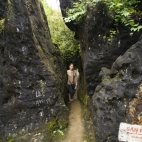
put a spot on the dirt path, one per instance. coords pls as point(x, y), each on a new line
point(76, 128)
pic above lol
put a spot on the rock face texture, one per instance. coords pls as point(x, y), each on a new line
point(134, 113)
point(65, 5)
point(96, 51)
point(93, 33)
point(30, 76)
point(2, 8)
point(118, 88)
point(112, 90)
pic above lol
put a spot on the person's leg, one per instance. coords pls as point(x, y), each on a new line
point(71, 91)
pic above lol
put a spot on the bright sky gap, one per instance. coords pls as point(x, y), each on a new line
point(54, 4)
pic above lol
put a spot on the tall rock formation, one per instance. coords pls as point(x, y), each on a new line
point(31, 76)
point(96, 51)
point(113, 95)
point(111, 90)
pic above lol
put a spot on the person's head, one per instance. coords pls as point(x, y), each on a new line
point(71, 66)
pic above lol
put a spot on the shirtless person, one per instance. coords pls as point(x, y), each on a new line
point(72, 80)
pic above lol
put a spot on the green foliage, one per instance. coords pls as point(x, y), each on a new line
point(11, 140)
point(136, 27)
point(60, 34)
point(122, 12)
point(55, 130)
point(52, 125)
point(106, 80)
point(109, 137)
point(58, 132)
point(112, 33)
point(77, 13)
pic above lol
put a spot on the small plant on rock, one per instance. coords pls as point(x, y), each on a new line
point(77, 13)
point(122, 12)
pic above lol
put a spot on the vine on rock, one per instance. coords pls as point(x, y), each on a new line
point(77, 13)
point(2, 25)
point(122, 12)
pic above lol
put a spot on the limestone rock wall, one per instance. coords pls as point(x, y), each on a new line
point(134, 114)
point(32, 75)
point(2, 8)
point(96, 51)
point(118, 88)
point(65, 5)
point(111, 78)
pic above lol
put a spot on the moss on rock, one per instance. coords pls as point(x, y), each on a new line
point(2, 25)
point(52, 125)
point(81, 92)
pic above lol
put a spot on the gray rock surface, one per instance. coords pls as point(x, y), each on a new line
point(112, 96)
point(96, 51)
point(32, 76)
point(114, 88)
point(134, 111)
point(93, 33)
point(65, 5)
point(2, 8)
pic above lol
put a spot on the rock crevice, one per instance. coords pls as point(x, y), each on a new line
point(112, 69)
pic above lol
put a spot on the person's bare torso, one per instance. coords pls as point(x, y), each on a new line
point(71, 77)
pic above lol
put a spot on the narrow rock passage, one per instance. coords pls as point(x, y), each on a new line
point(76, 128)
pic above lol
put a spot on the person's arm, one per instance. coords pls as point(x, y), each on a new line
point(67, 77)
point(75, 79)
point(67, 72)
